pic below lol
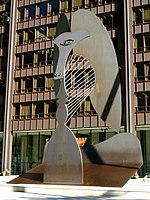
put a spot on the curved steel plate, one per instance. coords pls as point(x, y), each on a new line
point(112, 162)
point(63, 159)
point(99, 50)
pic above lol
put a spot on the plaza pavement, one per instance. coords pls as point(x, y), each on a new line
point(134, 189)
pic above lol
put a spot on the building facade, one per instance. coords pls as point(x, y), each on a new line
point(27, 97)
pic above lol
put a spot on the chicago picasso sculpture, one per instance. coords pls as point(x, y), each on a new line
point(86, 65)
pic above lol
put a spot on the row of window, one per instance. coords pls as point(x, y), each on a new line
point(34, 84)
point(46, 109)
point(34, 110)
point(141, 14)
point(142, 71)
point(36, 34)
point(111, 20)
point(42, 33)
point(55, 6)
point(37, 58)
point(143, 101)
point(76, 79)
point(142, 42)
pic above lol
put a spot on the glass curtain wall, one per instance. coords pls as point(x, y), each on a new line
point(27, 150)
point(144, 137)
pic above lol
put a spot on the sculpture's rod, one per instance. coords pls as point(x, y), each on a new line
point(75, 66)
point(92, 81)
point(73, 106)
point(73, 61)
point(77, 72)
point(82, 81)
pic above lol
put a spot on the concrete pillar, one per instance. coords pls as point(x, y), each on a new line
point(7, 137)
point(129, 75)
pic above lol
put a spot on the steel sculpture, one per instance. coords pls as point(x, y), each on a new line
point(86, 65)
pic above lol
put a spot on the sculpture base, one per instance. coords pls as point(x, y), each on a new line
point(110, 163)
point(95, 175)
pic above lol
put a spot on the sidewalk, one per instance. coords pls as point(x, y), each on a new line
point(134, 189)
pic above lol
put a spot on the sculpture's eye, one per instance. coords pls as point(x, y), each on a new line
point(67, 42)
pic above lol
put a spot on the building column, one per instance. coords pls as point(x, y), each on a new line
point(129, 72)
point(7, 136)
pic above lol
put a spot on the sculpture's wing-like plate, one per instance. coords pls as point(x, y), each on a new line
point(99, 50)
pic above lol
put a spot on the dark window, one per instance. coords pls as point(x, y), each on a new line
point(117, 20)
point(16, 111)
point(5, 41)
point(148, 101)
point(40, 33)
point(41, 83)
point(107, 20)
point(138, 15)
point(42, 10)
point(139, 43)
point(28, 84)
point(108, 1)
point(140, 72)
point(31, 12)
point(2, 88)
point(50, 56)
point(41, 57)
point(28, 59)
point(1, 112)
point(39, 109)
point(147, 71)
point(55, 6)
point(147, 42)
point(17, 85)
point(141, 102)
point(94, 2)
point(30, 35)
point(52, 108)
point(21, 14)
point(19, 61)
point(20, 38)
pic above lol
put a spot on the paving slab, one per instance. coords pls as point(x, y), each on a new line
point(134, 189)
